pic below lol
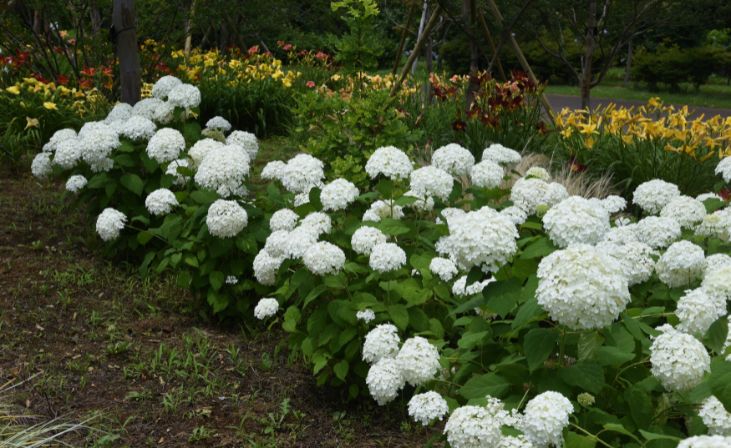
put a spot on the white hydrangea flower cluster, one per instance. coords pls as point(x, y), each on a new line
point(545, 417)
point(715, 417)
point(653, 195)
point(698, 310)
point(717, 278)
point(273, 170)
point(431, 181)
point(515, 442)
point(164, 85)
point(688, 212)
point(186, 96)
point(576, 220)
point(166, 145)
point(581, 287)
point(201, 148)
point(301, 173)
point(635, 259)
point(657, 232)
point(381, 342)
point(365, 238)
point(482, 238)
point(68, 153)
point(318, 222)
point(225, 219)
point(324, 258)
point(98, 142)
point(723, 169)
point(75, 183)
point(384, 380)
point(443, 268)
point(390, 162)
point(418, 360)
point(161, 202)
point(461, 289)
point(172, 170)
point(473, 427)
point(41, 166)
point(614, 204)
point(386, 257)
point(267, 307)
point(501, 155)
point(454, 159)
point(681, 264)
point(218, 123)
point(246, 140)
point(538, 172)
point(58, 137)
point(367, 315)
point(265, 267)
point(110, 223)
point(283, 219)
point(145, 107)
point(705, 442)
point(678, 359)
point(427, 407)
point(531, 193)
point(487, 174)
point(224, 170)
point(338, 195)
point(716, 224)
point(383, 209)
point(516, 214)
point(138, 128)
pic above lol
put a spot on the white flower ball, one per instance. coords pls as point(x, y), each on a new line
point(614, 204)
point(530, 193)
point(651, 196)
point(386, 257)
point(265, 267)
point(366, 315)
point(277, 243)
point(184, 95)
point(319, 223)
point(324, 258)
point(283, 219)
point(218, 123)
point(678, 359)
point(266, 307)
point(538, 172)
point(582, 287)
point(338, 195)
point(120, 111)
point(545, 417)
point(449, 213)
point(202, 148)
point(472, 427)
point(634, 258)
point(576, 220)
point(383, 209)
point(98, 143)
point(163, 113)
point(681, 264)
point(622, 235)
point(58, 137)
point(515, 442)
point(487, 174)
point(110, 223)
point(302, 173)
point(381, 342)
point(716, 225)
point(164, 85)
point(698, 310)
point(273, 170)
point(515, 214)
point(246, 140)
point(161, 202)
point(172, 170)
point(224, 171)
point(715, 417)
point(419, 360)
point(41, 166)
point(657, 232)
point(461, 289)
point(723, 169)
point(717, 279)
point(166, 145)
point(226, 219)
point(443, 268)
point(705, 442)
point(138, 128)
point(365, 238)
point(384, 380)
point(688, 212)
point(68, 153)
point(482, 238)
point(431, 181)
point(75, 183)
point(300, 241)
point(454, 159)
point(500, 154)
point(427, 407)
point(144, 108)
point(389, 161)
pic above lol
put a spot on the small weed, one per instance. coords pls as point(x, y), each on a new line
point(199, 434)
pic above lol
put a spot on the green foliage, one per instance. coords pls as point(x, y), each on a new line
point(672, 65)
point(359, 48)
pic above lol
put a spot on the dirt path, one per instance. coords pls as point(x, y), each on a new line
point(558, 102)
point(134, 357)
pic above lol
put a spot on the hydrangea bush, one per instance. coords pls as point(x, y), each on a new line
point(498, 306)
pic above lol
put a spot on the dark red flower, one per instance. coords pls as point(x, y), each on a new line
point(62, 80)
point(459, 125)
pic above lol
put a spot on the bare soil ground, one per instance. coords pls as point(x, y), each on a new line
point(137, 361)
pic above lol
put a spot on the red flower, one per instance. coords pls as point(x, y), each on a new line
point(322, 56)
point(253, 50)
point(725, 193)
point(86, 84)
point(62, 80)
point(310, 84)
point(88, 71)
point(40, 78)
point(287, 47)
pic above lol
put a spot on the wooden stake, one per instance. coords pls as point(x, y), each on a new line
point(417, 49)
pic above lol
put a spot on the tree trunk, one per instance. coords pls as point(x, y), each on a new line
point(96, 19)
point(189, 29)
point(628, 65)
point(402, 41)
point(422, 24)
point(586, 63)
point(123, 21)
point(470, 15)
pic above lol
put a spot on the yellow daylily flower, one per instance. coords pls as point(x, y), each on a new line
point(31, 123)
point(50, 105)
point(15, 90)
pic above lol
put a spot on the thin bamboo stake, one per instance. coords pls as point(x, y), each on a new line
point(417, 49)
point(402, 42)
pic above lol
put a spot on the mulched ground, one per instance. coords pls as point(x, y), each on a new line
point(137, 361)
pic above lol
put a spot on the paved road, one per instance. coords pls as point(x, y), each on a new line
point(558, 102)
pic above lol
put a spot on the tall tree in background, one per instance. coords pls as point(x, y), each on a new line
point(601, 27)
point(123, 22)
